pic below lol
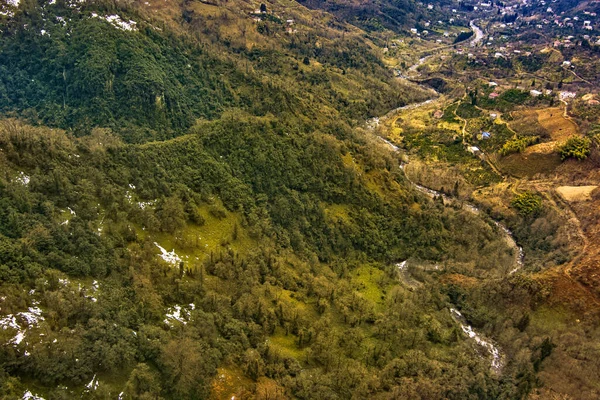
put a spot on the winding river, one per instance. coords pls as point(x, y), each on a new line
point(478, 33)
point(486, 344)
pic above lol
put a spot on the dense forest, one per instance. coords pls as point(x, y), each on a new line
point(182, 217)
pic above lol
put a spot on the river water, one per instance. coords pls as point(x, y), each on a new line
point(486, 344)
point(495, 354)
point(478, 33)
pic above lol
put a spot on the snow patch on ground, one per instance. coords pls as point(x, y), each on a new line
point(20, 322)
point(144, 204)
point(30, 396)
point(118, 22)
point(23, 178)
point(402, 265)
point(179, 314)
point(93, 385)
point(66, 222)
point(170, 257)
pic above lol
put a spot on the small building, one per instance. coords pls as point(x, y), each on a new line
point(567, 95)
point(492, 84)
point(486, 135)
point(474, 150)
point(493, 95)
point(535, 93)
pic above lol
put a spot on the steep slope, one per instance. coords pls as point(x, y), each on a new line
point(91, 64)
point(378, 15)
point(191, 209)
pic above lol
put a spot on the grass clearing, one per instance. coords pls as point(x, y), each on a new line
point(194, 242)
point(338, 212)
point(546, 319)
point(372, 284)
point(286, 345)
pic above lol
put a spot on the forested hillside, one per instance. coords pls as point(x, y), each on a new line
point(191, 208)
point(81, 66)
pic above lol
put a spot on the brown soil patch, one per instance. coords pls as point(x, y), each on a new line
point(553, 121)
point(459, 280)
point(526, 123)
point(528, 164)
point(564, 290)
point(542, 148)
point(576, 193)
point(548, 123)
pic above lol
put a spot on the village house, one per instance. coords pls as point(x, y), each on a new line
point(474, 150)
point(564, 95)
